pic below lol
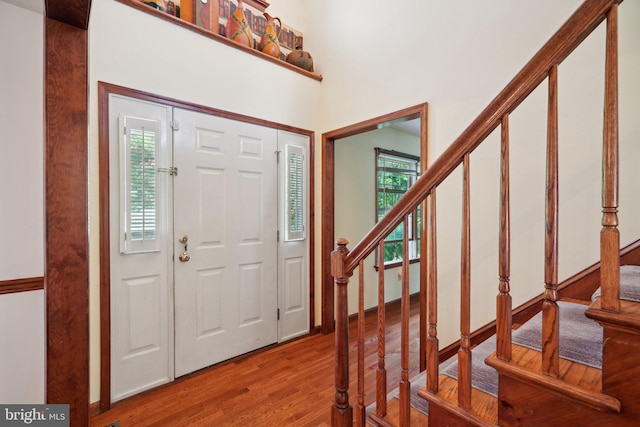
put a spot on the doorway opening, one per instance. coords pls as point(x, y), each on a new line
point(416, 114)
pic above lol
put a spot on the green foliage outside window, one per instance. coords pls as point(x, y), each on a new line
point(142, 171)
point(295, 183)
point(396, 172)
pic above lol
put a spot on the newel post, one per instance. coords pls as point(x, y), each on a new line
point(341, 411)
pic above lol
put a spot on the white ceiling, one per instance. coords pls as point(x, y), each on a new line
point(34, 5)
point(410, 126)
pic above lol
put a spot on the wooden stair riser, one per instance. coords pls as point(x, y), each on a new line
point(621, 371)
point(522, 404)
point(439, 416)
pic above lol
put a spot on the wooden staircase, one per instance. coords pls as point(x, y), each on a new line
point(535, 387)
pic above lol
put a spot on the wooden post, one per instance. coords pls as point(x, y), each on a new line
point(381, 371)
point(360, 408)
point(464, 352)
point(503, 303)
point(405, 383)
point(610, 236)
point(550, 315)
point(433, 359)
point(341, 411)
point(66, 240)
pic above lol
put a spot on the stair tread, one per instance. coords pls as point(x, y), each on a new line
point(571, 372)
point(483, 405)
point(629, 315)
point(576, 380)
point(393, 415)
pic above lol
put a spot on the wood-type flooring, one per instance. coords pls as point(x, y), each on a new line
point(286, 385)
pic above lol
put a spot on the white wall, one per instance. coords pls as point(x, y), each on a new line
point(22, 348)
point(377, 57)
point(355, 204)
point(21, 212)
point(181, 64)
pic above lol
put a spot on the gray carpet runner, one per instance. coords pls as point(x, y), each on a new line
point(580, 341)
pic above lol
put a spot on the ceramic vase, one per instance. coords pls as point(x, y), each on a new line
point(301, 59)
point(238, 28)
point(269, 42)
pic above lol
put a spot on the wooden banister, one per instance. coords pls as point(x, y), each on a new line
point(341, 411)
point(543, 65)
point(562, 43)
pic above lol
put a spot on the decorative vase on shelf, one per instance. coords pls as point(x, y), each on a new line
point(269, 42)
point(214, 15)
point(301, 59)
point(156, 4)
point(238, 28)
point(187, 8)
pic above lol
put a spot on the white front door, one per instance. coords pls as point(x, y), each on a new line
point(225, 231)
point(141, 265)
point(210, 189)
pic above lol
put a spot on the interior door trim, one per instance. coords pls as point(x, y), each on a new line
point(104, 91)
point(328, 207)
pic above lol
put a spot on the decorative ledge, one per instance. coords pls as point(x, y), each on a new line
point(136, 4)
point(21, 285)
point(260, 4)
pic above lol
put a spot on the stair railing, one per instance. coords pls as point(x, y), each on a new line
point(343, 262)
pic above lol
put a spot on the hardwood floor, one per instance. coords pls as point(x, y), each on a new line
point(287, 385)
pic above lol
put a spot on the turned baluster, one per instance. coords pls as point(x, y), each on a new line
point(464, 352)
point(610, 236)
point(550, 315)
point(405, 384)
point(381, 371)
point(503, 302)
point(341, 411)
point(433, 359)
point(360, 409)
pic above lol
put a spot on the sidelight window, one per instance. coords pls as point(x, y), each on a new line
point(295, 193)
point(138, 180)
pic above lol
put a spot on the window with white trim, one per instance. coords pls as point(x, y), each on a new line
point(395, 173)
point(295, 193)
point(138, 180)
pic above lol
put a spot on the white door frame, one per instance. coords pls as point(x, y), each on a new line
point(105, 90)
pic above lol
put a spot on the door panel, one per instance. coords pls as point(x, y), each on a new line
point(293, 248)
point(141, 310)
point(226, 205)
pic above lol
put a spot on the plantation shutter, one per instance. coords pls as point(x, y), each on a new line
point(295, 193)
point(138, 180)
